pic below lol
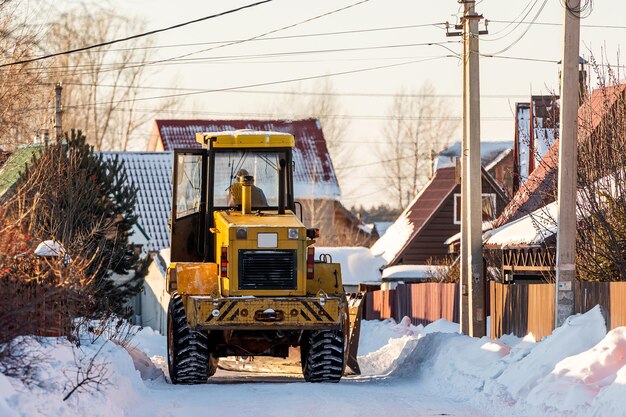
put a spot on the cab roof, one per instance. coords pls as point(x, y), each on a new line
point(246, 138)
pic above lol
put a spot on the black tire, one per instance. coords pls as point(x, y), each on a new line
point(322, 355)
point(189, 359)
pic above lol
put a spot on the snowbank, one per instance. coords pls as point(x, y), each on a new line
point(385, 345)
point(121, 387)
point(358, 265)
point(574, 370)
point(408, 272)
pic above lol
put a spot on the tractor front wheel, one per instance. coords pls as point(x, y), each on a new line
point(322, 355)
point(188, 356)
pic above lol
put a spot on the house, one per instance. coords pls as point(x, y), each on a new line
point(315, 183)
point(536, 130)
point(419, 233)
point(151, 174)
point(495, 156)
point(525, 233)
point(540, 187)
point(527, 246)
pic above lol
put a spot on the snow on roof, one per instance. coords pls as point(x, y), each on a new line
point(49, 248)
point(52, 249)
point(487, 225)
point(382, 227)
point(358, 264)
point(416, 216)
point(531, 229)
point(151, 172)
point(489, 152)
point(394, 239)
point(314, 174)
point(402, 272)
point(498, 159)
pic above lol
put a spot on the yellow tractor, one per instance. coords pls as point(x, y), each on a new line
point(243, 279)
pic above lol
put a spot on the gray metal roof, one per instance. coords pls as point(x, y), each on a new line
point(151, 172)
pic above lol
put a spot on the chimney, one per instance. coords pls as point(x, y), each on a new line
point(582, 80)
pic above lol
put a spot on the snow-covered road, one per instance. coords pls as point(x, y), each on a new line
point(275, 387)
point(277, 395)
point(578, 371)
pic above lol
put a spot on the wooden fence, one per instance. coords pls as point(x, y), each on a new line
point(516, 309)
point(529, 308)
point(521, 309)
point(423, 303)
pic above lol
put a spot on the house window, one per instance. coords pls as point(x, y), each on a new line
point(489, 207)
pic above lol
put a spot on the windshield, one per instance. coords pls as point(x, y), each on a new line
point(262, 166)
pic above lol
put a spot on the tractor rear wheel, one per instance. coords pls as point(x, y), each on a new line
point(188, 356)
point(322, 355)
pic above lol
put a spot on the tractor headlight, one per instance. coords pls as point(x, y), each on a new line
point(293, 234)
point(242, 233)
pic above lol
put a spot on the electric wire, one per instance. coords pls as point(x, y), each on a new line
point(272, 38)
point(358, 3)
point(506, 48)
point(137, 36)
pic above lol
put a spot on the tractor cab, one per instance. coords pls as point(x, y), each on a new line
point(214, 179)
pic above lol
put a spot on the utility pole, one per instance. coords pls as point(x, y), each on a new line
point(58, 120)
point(472, 281)
point(568, 138)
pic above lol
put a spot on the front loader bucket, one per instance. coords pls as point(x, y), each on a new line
point(355, 310)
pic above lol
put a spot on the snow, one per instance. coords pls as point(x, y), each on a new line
point(394, 239)
point(50, 248)
point(579, 370)
point(358, 264)
point(531, 229)
point(490, 151)
point(399, 272)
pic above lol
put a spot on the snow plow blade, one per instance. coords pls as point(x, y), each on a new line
point(355, 309)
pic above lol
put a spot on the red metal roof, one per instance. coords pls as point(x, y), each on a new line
point(311, 156)
point(538, 190)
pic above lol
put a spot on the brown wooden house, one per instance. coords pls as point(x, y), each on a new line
point(418, 235)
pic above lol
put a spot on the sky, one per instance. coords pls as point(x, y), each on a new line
point(367, 67)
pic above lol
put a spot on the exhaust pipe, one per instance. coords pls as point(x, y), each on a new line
point(282, 179)
point(246, 182)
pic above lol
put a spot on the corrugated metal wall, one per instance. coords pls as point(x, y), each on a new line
point(422, 303)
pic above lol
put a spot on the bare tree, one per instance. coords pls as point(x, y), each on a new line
point(324, 105)
point(102, 85)
point(20, 85)
point(419, 127)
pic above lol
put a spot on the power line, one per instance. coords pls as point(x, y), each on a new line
point(262, 84)
point(559, 24)
point(518, 20)
point(128, 65)
point(295, 116)
point(262, 34)
point(308, 93)
point(506, 48)
point(272, 38)
point(140, 35)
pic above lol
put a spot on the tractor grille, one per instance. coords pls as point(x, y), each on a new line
point(267, 269)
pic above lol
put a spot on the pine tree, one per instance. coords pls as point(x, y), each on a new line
point(72, 195)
